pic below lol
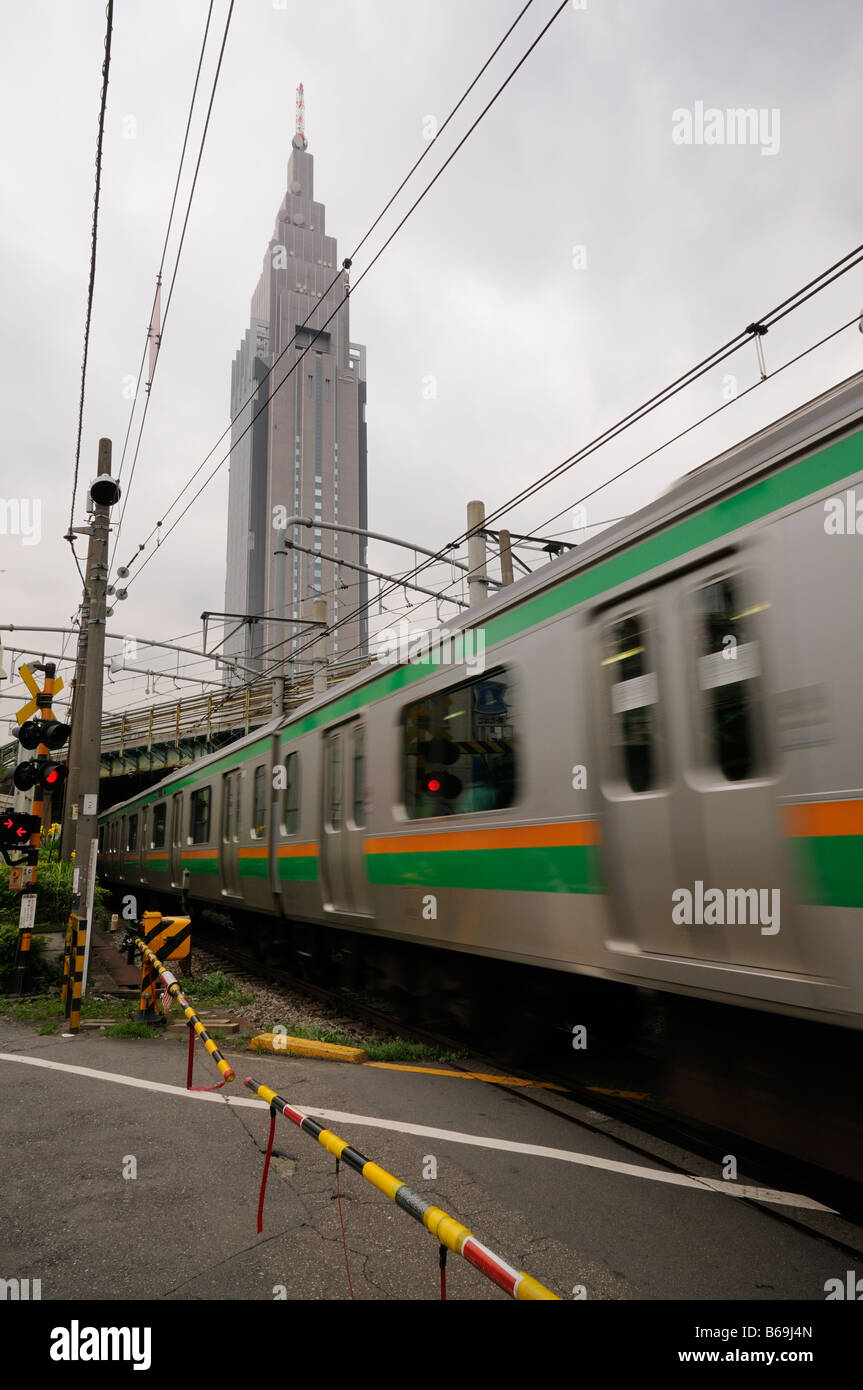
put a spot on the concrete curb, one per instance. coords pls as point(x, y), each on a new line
point(305, 1047)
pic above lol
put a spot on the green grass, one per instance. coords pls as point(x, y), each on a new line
point(214, 989)
point(399, 1050)
point(46, 1029)
point(130, 1029)
point(47, 1008)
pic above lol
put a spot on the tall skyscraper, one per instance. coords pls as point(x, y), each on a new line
point(306, 452)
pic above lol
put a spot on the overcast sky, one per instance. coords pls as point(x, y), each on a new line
point(535, 345)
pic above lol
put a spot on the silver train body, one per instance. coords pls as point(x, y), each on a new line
point(643, 762)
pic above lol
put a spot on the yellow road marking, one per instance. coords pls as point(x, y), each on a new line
point(467, 1075)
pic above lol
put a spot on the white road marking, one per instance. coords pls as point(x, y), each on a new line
point(759, 1194)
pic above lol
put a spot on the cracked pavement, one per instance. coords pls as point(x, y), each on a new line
point(185, 1226)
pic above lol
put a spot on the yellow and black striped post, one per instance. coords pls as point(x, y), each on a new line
point(68, 952)
point(77, 980)
point(194, 1022)
point(446, 1229)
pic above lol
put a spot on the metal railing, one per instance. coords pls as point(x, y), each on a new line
point(233, 711)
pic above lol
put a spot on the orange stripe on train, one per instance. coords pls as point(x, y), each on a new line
point(584, 832)
point(816, 818)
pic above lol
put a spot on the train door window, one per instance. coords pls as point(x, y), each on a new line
point(634, 701)
point(159, 814)
point(459, 748)
point(359, 774)
point(291, 795)
point(133, 833)
point(199, 816)
point(101, 839)
point(259, 804)
point(229, 794)
point(729, 675)
point(177, 824)
point(334, 781)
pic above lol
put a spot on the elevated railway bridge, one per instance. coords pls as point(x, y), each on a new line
point(141, 746)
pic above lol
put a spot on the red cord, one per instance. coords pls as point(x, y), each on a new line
point(443, 1272)
point(191, 1064)
point(344, 1241)
point(266, 1169)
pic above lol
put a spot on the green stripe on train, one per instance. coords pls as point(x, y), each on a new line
point(527, 869)
point(199, 866)
point(303, 870)
point(792, 483)
point(828, 870)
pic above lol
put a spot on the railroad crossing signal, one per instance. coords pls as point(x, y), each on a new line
point(16, 827)
point(32, 705)
point(47, 733)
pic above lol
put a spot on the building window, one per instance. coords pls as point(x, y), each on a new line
point(459, 749)
point(159, 816)
point(199, 816)
point(259, 804)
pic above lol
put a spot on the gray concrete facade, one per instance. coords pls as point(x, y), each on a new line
point(306, 452)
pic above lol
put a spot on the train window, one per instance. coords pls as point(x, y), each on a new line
point(159, 815)
point(334, 781)
point(291, 795)
point(177, 819)
point(359, 775)
point(634, 701)
point(459, 748)
point(259, 807)
point(101, 839)
point(728, 671)
point(133, 833)
point(199, 816)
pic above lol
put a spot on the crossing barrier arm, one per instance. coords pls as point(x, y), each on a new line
point(451, 1233)
point(170, 982)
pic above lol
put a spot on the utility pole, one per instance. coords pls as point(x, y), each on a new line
point(87, 717)
point(477, 580)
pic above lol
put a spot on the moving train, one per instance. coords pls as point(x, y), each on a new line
point(641, 763)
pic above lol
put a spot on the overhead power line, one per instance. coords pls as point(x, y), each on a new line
point(773, 316)
point(296, 363)
point(106, 66)
point(179, 248)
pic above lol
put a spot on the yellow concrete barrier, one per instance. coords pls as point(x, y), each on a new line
point(306, 1047)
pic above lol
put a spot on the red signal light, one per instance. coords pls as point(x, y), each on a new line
point(433, 784)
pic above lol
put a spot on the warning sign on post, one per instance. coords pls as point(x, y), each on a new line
point(28, 912)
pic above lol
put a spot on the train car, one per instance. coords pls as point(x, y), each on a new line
point(641, 763)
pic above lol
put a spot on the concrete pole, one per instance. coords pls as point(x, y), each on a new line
point(320, 656)
point(88, 705)
point(505, 557)
point(281, 558)
point(477, 582)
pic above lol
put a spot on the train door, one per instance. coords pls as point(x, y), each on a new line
point(690, 824)
point(343, 870)
point(176, 839)
point(636, 776)
point(229, 856)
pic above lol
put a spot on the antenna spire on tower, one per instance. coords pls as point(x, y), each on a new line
point(301, 115)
